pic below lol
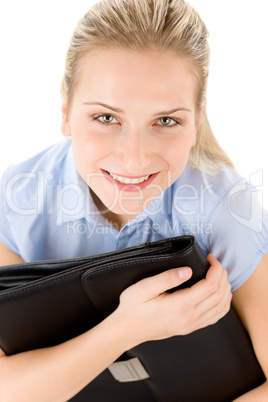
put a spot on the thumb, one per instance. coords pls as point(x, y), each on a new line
point(149, 288)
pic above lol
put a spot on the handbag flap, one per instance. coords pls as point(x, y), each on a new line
point(105, 283)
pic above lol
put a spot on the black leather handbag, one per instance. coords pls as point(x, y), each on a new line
point(48, 302)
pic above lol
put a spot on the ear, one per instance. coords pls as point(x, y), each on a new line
point(65, 125)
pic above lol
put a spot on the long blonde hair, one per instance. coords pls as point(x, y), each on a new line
point(171, 25)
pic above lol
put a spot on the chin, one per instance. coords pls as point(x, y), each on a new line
point(128, 210)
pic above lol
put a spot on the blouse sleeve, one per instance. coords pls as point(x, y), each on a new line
point(239, 232)
point(6, 234)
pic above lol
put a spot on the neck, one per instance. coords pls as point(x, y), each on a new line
point(116, 220)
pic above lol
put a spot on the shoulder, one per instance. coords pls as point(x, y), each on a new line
point(225, 213)
point(48, 160)
point(24, 182)
point(217, 184)
point(38, 197)
point(196, 194)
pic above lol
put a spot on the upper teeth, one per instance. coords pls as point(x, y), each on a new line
point(129, 181)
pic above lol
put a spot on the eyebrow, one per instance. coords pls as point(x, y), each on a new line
point(117, 110)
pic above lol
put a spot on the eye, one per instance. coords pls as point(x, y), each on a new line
point(105, 119)
point(169, 122)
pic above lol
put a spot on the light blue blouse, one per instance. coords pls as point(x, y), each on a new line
point(46, 212)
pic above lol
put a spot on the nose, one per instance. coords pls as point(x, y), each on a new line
point(134, 152)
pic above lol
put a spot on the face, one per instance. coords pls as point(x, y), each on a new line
point(133, 122)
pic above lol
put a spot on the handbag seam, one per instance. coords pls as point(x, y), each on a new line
point(119, 264)
point(18, 290)
point(155, 245)
point(164, 257)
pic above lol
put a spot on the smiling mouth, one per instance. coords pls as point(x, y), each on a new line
point(126, 180)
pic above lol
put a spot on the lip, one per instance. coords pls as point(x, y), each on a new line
point(129, 187)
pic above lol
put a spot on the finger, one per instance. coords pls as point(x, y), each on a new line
point(211, 259)
point(206, 287)
point(214, 274)
point(217, 312)
point(152, 287)
point(220, 297)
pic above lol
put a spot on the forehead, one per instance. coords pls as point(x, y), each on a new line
point(151, 74)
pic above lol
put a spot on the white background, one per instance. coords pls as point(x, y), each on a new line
point(34, 38)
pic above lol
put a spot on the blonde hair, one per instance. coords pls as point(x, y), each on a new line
point(144, 25)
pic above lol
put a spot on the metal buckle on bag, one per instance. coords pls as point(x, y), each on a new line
point(129, 370)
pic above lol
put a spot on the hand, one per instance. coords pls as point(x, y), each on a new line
point(150, 313)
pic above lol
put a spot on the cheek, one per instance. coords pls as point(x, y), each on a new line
point(88, 141)
point(90, 151)
point(178, 151)
point(82, 130)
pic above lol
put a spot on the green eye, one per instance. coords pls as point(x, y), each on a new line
point(107, 118)
point(165, 121)
point(168, 122)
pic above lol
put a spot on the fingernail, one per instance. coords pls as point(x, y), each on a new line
point(183, 273)
point(231, 296)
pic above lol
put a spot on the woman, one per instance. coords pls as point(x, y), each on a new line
point(142, 165)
